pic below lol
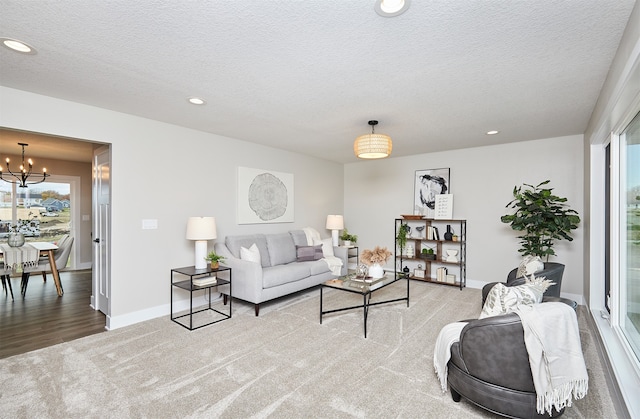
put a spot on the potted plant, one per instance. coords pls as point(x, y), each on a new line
point(401, 238)
point(375, 259)
point(428, 253)
point(542, 217)
point(348, 238)
point(215, 259)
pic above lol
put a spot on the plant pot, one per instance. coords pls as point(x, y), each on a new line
point(429, 256)
point(376, 271)
point(346, 243)
point(215, 265)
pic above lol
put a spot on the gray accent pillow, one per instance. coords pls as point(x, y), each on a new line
point(307, 253)
point(281, 248)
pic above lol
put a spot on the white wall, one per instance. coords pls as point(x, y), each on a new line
point(168, 173)
point(482, 181)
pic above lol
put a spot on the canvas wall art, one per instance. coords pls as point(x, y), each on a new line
point(264, 196)
point(427, 184)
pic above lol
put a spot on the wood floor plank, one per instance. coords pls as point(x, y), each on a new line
point(40, 318)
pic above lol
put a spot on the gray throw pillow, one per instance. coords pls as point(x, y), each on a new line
point(307, 253)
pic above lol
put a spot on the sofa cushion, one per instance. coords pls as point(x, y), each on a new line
point(283, 274)
point(318, 267)
point(299, 238)
point(307, 253)
point(234, 243)
point(251, 254)
point(281, 248)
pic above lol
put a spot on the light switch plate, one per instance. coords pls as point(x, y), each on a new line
point(149, 224)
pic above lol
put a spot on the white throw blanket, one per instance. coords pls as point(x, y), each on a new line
point(19, 257)
point(442, 351)
point(552, 338)
point(313, 239)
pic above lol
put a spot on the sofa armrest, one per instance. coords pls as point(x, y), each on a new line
point(246, 276)
point(342, 254)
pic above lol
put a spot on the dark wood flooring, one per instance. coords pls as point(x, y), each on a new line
point(41, 318)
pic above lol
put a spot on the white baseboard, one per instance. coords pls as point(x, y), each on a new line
point(116, 322)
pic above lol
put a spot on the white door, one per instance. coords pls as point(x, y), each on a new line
point(102, 230)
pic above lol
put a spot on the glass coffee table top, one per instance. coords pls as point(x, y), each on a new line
point(357, 284)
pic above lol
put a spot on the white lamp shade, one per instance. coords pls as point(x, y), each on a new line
point(335, 222)
point(201, 228)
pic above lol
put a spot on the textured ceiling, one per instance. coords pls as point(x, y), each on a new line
point(306, 76)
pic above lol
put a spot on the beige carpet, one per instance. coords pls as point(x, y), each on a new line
point(283, 364)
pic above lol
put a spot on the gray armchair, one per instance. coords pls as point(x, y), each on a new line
point(489, 366)
point(552, 271)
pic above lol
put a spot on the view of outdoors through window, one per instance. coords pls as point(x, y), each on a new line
point(42, 212)
point(631, 235)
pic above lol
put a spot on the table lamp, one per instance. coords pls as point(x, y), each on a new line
point(335, 223)
point(201, 229)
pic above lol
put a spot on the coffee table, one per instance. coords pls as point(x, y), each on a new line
point(365, 288)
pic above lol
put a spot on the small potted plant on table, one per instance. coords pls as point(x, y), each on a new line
point(214, 259)
point(347, 238)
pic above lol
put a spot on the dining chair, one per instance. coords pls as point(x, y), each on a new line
point(61, 256)
point(6, 280)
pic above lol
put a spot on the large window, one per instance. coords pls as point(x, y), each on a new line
point(42, 212)
point(630, 234)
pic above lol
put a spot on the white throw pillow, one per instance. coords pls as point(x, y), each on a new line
point(327, 247)
point(252, 254)
point(503, 299)
point(529, 266)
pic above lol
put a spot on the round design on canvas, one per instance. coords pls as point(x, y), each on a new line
point(268, 197)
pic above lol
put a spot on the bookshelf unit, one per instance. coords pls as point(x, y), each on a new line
point(430, 234)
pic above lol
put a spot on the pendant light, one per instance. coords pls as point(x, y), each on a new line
point(372, 146)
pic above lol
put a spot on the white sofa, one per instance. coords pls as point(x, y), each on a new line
point(280, 271)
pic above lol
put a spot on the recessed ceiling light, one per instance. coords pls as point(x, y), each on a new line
point(18, 46)
point(492, 132)
point(196, 101)
point(391, 8)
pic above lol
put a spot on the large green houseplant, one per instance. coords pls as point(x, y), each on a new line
point(542, 217)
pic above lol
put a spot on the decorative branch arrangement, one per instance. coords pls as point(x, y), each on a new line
point(378, 255)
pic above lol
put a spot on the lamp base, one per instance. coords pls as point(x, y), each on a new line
point(334, 237)
point(201, 254)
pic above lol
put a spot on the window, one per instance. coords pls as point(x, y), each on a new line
point(42, 212)
point(629, 234)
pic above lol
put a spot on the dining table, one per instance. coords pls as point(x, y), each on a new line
point(47, 249)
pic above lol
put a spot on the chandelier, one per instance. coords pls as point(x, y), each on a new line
point(21, 177)
point(372, 146)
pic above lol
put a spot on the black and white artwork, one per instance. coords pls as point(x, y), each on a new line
point(427, 184)
point(264, 196)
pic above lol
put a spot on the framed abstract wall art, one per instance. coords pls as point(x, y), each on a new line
point(427, 184)
point(264, 196)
